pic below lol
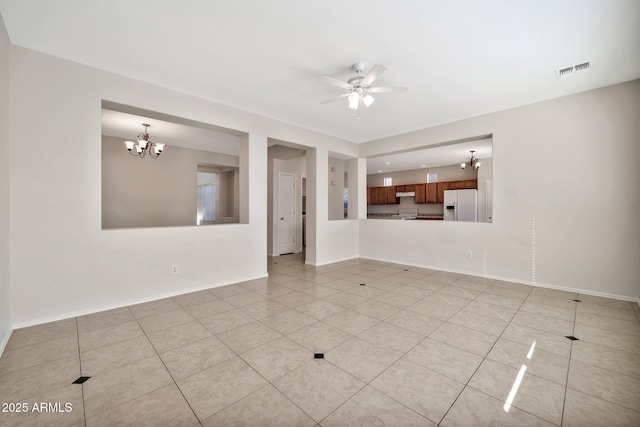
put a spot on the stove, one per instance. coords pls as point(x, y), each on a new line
point(406, 213)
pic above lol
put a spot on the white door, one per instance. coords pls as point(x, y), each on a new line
point(286, 213)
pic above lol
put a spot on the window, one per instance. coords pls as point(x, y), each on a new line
point(206, 197)
point(432, 177)
point(387, 182)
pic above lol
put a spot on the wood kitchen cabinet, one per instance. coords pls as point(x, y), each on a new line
point(382, 195)
point(421, 194)
point(440, 189)
point(391, 195)
point(454, 185)
point(470, 183)
point(425, 193)
point(372, 195)
point(432, 192)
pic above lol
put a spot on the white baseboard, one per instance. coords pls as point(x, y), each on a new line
point(333, 261)
point(509, 279)
point(5, 340)
point(93, 310)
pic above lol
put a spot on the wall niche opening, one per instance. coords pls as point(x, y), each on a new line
point(429, 183)
point(168, 191)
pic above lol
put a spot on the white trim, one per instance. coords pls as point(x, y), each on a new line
point(335, 260)
point(5, 340)
point(134, 302)
point(507, 279)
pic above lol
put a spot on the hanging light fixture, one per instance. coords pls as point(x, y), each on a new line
point(144, 145)
point(474, 162)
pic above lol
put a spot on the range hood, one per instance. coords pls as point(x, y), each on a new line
point(406, 194)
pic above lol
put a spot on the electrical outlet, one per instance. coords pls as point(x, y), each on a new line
point(174, 269)
point(469, 254)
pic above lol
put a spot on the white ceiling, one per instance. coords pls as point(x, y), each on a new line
point(459, 58)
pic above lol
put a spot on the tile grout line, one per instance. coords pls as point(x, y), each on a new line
point(566, 386)
point(168, 372)
point(269, 383)
point(249, 365)
point(484, 357)
point(395, 361)
point(348, 373)
point(84, 407)
point(483, 360)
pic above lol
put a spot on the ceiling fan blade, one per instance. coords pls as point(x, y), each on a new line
point(326, 101)
point(335, 82)
point(373, 74)
point(387, 89)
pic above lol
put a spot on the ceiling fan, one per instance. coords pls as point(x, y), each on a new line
point(359, 87)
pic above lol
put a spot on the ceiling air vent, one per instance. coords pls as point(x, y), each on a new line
point(569, 71)
point(565, 72)
point(582, 67)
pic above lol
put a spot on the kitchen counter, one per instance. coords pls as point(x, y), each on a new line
point(436, 217)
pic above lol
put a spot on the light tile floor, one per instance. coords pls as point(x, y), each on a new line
point(402, 346)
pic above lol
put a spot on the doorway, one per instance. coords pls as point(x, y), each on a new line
point(286, 161)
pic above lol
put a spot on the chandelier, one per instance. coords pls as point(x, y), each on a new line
point(474, 162)
point(144, 145)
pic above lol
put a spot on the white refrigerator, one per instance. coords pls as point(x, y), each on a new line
point(461, 205)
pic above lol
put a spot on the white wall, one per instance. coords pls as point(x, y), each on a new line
point(566, 197)
point(5, 146)
point(62, 263)
point(485, 173)
point(335, 188)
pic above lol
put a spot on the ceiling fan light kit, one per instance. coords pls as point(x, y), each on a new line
point(359, 87)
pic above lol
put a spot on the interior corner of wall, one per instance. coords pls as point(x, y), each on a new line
point(5, 339)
